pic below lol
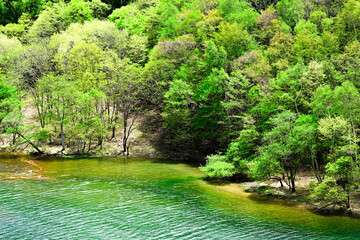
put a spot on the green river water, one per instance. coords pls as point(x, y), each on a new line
point(142, 198)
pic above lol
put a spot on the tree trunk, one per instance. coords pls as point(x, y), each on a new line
point(125, 137)
point(348, 202)
point(84, 146)
point(315, 166)
point(28, 141)
point(113, 132)
point(89, 144)
point(292, 185)
point(292, 181)
point(62, 137)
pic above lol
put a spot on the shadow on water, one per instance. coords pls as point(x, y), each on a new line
point(216, 181)
point(189, 163)
point(239, 178)
point(333, 213)
point(324, 212)
point(10, 155)
point(122, 159)
point(260, 199)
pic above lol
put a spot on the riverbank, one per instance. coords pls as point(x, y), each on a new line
point(142, 142)
point(302, 196)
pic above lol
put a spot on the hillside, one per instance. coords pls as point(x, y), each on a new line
point(259, 88)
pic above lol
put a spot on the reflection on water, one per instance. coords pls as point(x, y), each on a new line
point(140, 198)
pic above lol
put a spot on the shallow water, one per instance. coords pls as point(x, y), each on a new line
point(141, 198)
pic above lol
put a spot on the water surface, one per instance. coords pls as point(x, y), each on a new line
point(142, 198)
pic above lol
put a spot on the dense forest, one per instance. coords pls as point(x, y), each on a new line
point(257, 87)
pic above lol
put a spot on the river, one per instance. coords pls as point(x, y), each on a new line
point(143, 198)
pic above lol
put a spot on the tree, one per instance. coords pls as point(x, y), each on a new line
point(128, 93)
point(51, 20)
point(209, 112)
point(33, 7)
point(340, 180)
point(79, 11)
point(188, 22)
point(329, 193)
point(8, 100)
point(10, 11)
point(279, 51)
point(235, 39)
point(291, 11)
point(208, 25)
point(10, 49)
point(307, 46)
point(290, 88)
point(348, 21)
point(348, 63)
point(236, 102)
point(344, 102)
point(239, 12)
point(168, 19)
point(42, 96)
point(215, 57)
point(34, 62)
point(63, 102)
point(131, 18)
point(178, 115)
point(157, 75)
point(268, 25)
point(285, 146)
point(84, 64)
point(11, 116)
point(242, 150)
point(100, 9)
point(255, 66)
point(88, 122)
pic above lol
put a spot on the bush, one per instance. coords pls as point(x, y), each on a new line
point(217, 167)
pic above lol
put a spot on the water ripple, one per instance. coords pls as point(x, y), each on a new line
point(127, 207)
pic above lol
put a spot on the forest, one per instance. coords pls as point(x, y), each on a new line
point(255, 87)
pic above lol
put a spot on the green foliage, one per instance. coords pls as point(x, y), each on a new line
point(291, 11)
point(239, 12)
point(214, 57)
point(179, 94)
point(8, 100)
point(208, 96)
point(328, 192)
point(130, 18)
point(237, 100)
point(10, 11)
point(189, 20)
point(33, 7)
point(242, 150)
point(335, 189)
point(286, 145)
point(307, 46)
point(348, 21)
point(168, 19)
point(348, 63)
point(271, 84)
point(280, 50)
point(99, 9)
point(79, 11)
point(10, 48)
point(51, 20)
point(235, 39)
point(217, 167)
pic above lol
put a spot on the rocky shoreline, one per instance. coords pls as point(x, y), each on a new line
point(302, 197)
